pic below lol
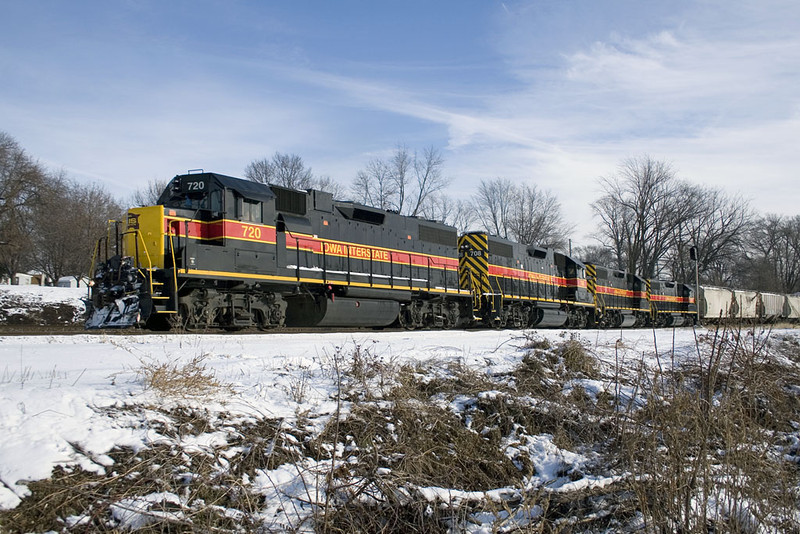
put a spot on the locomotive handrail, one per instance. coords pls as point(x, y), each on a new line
point(174, 271)
point(137, 235)
point(441, 264)
point(395, 254)
point(94, 258)
point(476, 298)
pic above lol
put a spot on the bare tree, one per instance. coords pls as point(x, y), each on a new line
point(521, 212)
point(615, 229)
point(149, 194)
point(260, 171)
point(596, 254)
point(285, 170)
point(459, 213)
point(642, 207)
point(289, 170)
point(429, 178)
point(399, 167)
point(406, 182)
point(536, 218)
point(716, 229)
point(493, 203)
point(374, 185)
point(328, 184)
point(66, 224)
point(772, 259)
point(20, 181)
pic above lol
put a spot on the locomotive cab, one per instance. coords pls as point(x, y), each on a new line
point(672, 303)
point(620, 297)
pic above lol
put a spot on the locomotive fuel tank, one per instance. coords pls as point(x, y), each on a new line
point(322, 311)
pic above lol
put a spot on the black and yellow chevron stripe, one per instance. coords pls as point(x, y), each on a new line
point(591, 286)
point(591, 279)
point(473, 265)
point(653, 308)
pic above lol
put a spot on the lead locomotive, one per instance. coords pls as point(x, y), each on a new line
point(221, 252)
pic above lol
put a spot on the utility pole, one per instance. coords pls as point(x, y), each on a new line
point(694, 256)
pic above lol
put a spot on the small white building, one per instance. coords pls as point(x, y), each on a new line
point(30, 279)
point(70, 281)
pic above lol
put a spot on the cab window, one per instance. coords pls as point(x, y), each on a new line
point(250, 210)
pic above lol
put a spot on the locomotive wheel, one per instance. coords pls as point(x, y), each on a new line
point(186, 321)
point(405, 319)
point(451, 316)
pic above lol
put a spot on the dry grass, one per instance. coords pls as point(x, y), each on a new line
point(706, 449)
point(176, 379)
point(208, 482)
point(711, 446)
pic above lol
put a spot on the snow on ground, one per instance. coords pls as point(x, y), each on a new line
point(55, 390)
point(41, 305)
point(61, 396)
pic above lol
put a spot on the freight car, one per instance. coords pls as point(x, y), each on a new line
point(723, 304)
point(221, 252)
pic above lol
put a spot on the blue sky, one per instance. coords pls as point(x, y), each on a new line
point(553, 92)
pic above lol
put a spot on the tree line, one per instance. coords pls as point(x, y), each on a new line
point(648, 218)
point(48, 222)
point(653, 223)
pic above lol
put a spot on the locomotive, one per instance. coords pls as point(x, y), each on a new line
point(223, 252)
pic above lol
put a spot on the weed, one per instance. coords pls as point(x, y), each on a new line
point(190, 379)
point(534, 341)
point(708, 446)
point(703, 447)
point(196, 487)
point(576, 359)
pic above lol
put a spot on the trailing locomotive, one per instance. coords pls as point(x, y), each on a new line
point(222, 252)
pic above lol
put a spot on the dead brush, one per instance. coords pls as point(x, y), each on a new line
point(705, 449)
point(424, 380)
point(398, 441)
point(75, 500)
point(536, 375)
point(545, 368)
point(176, 379)
point(575, 359)
point(392, 449)
point(209, 481)
point(535, 341)
point(390, 516)
point(365, 375)
point(422, 445)
point(265, 444)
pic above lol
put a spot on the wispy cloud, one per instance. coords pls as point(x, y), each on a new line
point(557, 93)
point(708, 93)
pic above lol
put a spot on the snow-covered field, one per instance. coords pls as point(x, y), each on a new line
point(66, 400)
point(40, 305)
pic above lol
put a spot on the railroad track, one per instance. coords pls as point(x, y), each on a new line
point(78, 329)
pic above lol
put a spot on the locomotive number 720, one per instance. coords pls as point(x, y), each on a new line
point(251, 232)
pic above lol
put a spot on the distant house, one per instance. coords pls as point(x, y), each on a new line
point(30, 279)
point(70, 281)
